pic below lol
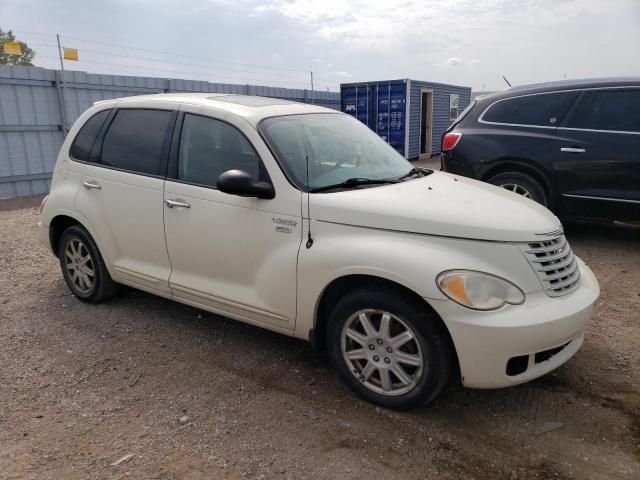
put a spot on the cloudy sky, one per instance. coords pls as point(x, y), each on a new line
point(464, 42)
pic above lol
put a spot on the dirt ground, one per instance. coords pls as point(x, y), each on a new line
point(176, 393)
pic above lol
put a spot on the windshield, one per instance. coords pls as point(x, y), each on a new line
point(338, 148)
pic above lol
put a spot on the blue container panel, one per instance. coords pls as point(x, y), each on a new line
point(359, 102)
point(381, 106)
point(390, 121)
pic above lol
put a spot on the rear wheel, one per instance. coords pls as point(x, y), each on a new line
point(83, 267)
point(389, 348)
point(522, 184)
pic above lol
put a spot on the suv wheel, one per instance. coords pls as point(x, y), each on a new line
point(83, 268)
point(389, 348)
point(522, 184)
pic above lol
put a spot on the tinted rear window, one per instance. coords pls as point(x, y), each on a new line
point(82, 144)
point(135, 139)
point(615, 110)
point(541, 109)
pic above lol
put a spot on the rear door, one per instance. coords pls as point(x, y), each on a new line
point(600, 155)
point(122, 195)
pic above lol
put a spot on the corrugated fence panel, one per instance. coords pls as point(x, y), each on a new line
point(31, 118)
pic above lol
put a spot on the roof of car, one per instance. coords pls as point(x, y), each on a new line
point(557, 85)
point(253, 108)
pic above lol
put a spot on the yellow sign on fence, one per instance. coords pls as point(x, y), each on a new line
point(12, 48)
point(70, 54)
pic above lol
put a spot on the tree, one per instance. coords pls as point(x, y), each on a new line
point(24, 59)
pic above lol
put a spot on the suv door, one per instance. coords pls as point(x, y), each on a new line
point(600, 155)
point(122, 195)
point(235, 255)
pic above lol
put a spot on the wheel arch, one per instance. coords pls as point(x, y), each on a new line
point(521, 165)
point(59, 224)
point(338, 286)
point(65, 219)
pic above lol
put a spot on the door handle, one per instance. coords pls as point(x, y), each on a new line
point(572, 150)
point(176, 203)
point(89, 184)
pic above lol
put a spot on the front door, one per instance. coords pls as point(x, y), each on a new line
point(122, 193)
point(234, 255)
point(599, 155)
point(426, 114)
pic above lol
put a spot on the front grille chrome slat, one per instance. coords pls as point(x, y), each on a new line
point(567, 283)
point(553, 248)
point(550, 258)
point(563, 274)
point(555, 265)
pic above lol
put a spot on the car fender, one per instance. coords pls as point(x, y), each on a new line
point(410, 260)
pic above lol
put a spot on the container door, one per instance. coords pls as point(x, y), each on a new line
point(391, 109)
point(358, 101)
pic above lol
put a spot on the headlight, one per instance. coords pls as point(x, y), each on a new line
point(478, 290)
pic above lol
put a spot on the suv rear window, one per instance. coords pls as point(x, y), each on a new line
point(539, 109)
point(135, 140)
point(83, 143)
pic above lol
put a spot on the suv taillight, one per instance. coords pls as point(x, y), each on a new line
point(450, 140)
point(44, 200)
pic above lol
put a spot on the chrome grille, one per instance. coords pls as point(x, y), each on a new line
point(554, 263)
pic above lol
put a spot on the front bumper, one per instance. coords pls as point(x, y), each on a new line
point(486, 341)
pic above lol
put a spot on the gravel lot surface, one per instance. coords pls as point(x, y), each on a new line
point(141, 387)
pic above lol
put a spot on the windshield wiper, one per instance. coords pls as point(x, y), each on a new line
point(354, 182)
point(414, 171)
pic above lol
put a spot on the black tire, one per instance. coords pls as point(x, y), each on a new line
point(524, 181)
point(101, 287)
point(429, 333)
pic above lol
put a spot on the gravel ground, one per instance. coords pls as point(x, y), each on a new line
point(141, 387)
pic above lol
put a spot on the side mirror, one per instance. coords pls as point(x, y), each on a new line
point(239, 182)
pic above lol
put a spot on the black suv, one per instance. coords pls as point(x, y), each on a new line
point(573, 146)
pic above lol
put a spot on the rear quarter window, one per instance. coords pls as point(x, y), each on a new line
point(615, 110)
point(83, 143)
point(539, 109)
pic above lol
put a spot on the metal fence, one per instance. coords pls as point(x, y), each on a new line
point(33, 120)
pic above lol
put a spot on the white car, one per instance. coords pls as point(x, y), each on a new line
point(301, 220)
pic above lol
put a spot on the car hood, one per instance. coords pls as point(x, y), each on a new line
point(438, 204)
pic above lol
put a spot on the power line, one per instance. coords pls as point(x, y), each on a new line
point(270, 67)
point(201, 74)
point(146, 59)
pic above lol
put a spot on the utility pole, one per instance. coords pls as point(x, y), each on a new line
point(64, 88)
point(311, 86)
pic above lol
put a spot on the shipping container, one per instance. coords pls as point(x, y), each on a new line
point(410, 115)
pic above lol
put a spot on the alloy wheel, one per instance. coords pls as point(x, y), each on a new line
point(519, 189)
point(382, 352)
point(79, 265)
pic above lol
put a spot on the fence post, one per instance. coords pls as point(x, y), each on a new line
point(62, 107)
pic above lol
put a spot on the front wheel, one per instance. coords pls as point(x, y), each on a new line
point(522, 184)
point(389, 348)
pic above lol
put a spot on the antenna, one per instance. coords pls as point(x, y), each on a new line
point(309, 239)
point(505, 79)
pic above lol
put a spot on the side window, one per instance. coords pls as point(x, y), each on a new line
point(210, 147)
point(135, 139)
point(83, 143)
point(615, 110)
point(454, 106)
point(540, 109)
point(579, 114)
